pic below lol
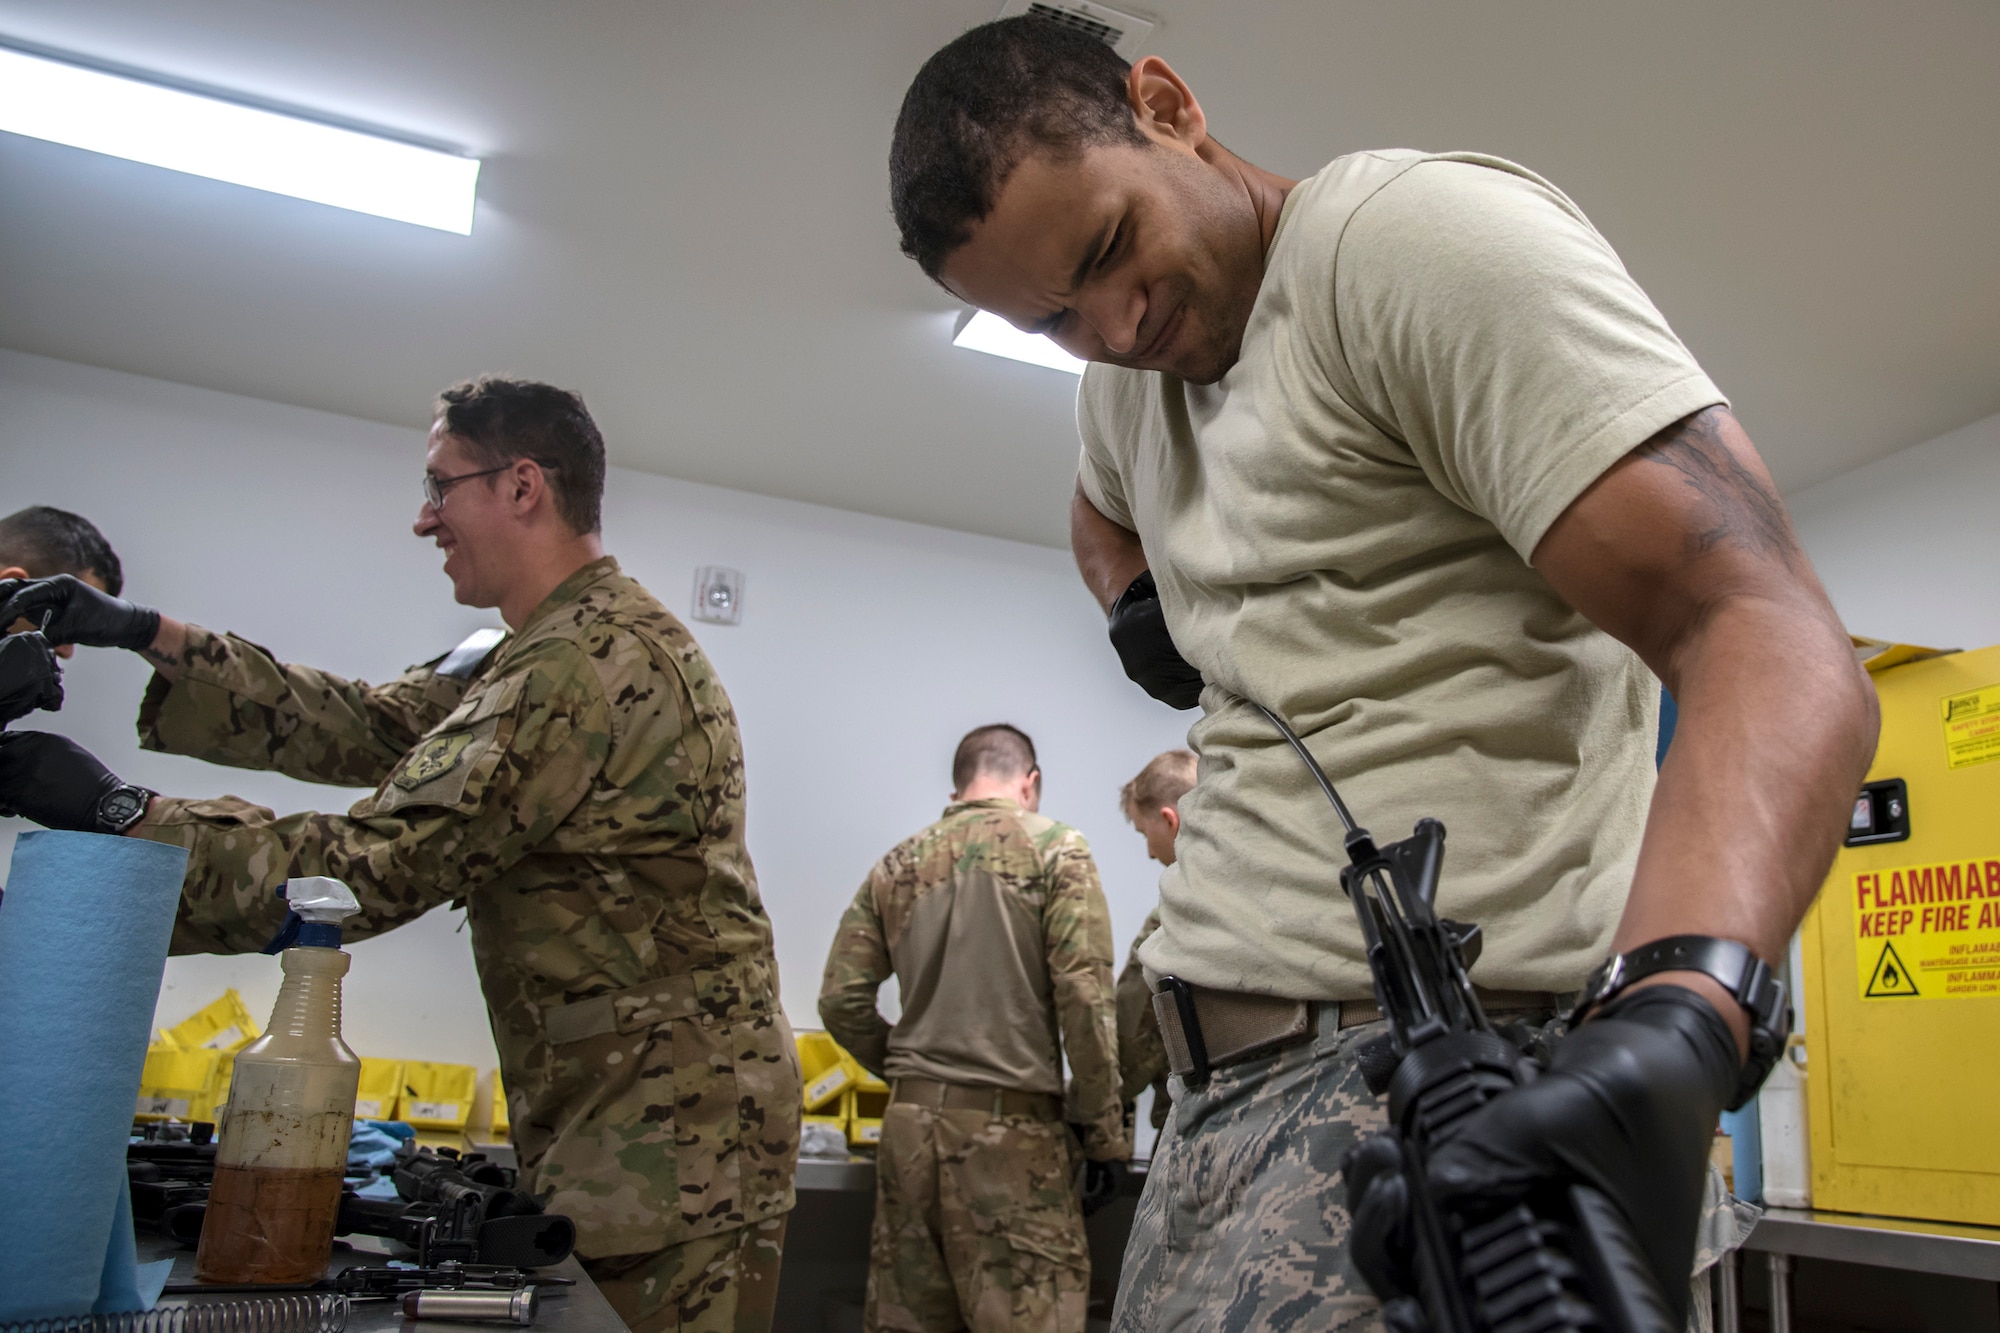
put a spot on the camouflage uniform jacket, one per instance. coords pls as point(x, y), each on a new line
point(582, 797)
point(1142, 1052)
point(995, 926)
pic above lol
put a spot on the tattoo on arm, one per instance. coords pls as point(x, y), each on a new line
point(163, 658)
point(1738, 505)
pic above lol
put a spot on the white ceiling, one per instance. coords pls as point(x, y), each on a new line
point(683, 214)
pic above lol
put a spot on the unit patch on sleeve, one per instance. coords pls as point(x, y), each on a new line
point(1929, 932)
point(432, 760)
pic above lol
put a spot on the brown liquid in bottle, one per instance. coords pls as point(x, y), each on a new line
point(268, 1224)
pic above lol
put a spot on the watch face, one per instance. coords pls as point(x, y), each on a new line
point(122, 807)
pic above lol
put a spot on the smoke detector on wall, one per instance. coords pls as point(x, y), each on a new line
point(1122, 32)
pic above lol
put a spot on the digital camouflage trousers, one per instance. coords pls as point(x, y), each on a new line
point(726, 1282)
point(977, 1225)
point(1243, 1224)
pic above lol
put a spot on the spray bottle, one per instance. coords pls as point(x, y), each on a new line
point(284, 1133)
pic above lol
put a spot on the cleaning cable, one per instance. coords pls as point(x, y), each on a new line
point(1319, 774)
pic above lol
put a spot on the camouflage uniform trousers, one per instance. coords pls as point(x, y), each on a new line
point(977, 1225)
point(1243, 1225)
point(726, 1282)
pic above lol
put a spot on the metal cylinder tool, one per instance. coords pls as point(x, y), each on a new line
point(493, 1307)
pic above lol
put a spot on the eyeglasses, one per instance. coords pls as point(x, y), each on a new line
point(435, 486)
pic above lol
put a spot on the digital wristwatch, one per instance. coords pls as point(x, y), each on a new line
point(122, 807)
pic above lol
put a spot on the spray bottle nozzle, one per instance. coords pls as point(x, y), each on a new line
point(318, 906)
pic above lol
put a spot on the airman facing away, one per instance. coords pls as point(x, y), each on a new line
point(994, 924)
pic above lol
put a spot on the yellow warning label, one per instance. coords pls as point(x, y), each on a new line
point(1890, 976)
point(1929, 932)
point(1972, 727)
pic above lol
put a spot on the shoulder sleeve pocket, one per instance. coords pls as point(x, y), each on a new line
point(453, 765)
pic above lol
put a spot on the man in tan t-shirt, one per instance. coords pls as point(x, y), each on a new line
point(1411, 460)
point(994, 925)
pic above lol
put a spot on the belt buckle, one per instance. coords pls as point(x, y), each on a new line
point(1197, 1047)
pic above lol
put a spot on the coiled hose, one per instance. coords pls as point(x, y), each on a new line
point(317, 1312)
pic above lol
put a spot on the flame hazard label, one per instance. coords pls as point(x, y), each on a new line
point(1928, 932)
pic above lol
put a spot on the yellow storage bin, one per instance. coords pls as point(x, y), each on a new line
point(837, 1119)
point(827, 1072)
point(381, 1088)
point(437, 1097)
point(866, 1100)
point(1902, 957)
point(176, 1083)
point(501, 1124)
point(210, 1107)
point(223, 1024)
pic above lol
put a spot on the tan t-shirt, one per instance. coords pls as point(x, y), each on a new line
point(1442, 356)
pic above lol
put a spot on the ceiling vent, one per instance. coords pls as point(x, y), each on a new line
point(1122, 32)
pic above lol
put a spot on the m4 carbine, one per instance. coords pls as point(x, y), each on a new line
point(460, 1209)
point(1561, 1260)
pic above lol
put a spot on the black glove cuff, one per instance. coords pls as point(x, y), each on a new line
point(1141, 589)
point(1677, 1008)
point(1733, 966)
point(145, 629)
point(1138, 628)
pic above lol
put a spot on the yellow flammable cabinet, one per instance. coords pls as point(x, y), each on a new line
point(1902, 957)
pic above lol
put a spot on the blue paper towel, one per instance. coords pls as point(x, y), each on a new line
point(83, 944)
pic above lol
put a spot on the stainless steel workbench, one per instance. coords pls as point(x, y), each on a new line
point(578, 1309)
point(1947, 1249)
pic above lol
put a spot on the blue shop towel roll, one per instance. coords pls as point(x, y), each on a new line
point(83, 943)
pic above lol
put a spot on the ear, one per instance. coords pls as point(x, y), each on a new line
point(528, 485)
point(14, 572)
point(1165, 106)
point(1172, 819)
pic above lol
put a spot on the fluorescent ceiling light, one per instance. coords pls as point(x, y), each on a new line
point(227, 141)
point(987, 332)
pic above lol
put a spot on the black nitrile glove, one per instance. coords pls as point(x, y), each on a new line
point(79, 613)
point(52, 780)
point(1628, 1106)
point(1139, 633)
point(30, 676)
point(1378, 1201)
point(1101, 1183)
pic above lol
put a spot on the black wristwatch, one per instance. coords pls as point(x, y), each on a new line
point(1760, 991)
point(122, 807)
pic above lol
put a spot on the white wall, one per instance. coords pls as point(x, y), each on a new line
point(867, 648)
point(1909, 546)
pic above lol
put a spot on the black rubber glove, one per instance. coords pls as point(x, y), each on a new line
point(79, 613)
point(52, 780)
point(30, 676)
point(1139, 633)
point(1101, 1183)
point(1629, 1106)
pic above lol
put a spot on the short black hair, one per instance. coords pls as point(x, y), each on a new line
point(977, 106)
point(997, 750)
point(46, 541)
point(505, 420)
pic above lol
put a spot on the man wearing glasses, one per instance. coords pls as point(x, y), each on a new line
point(576, 788)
